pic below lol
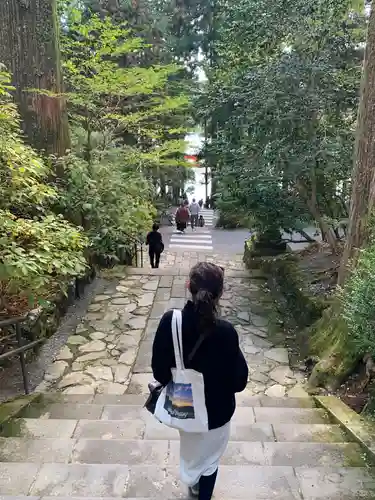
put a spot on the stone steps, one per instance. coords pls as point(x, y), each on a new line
point(151, 452)
point(104, 446)
point(157, 482)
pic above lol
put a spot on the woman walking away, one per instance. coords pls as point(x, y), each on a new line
point(155, 244)
point(210, 347)
point(182, 217)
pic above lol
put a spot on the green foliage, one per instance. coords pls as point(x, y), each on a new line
point(38, 251)
point(109, 201)
point(37, 257)
point(22, 172)
point(107, 94)
point(141, 110)
point(280, 107)
point(358, 304)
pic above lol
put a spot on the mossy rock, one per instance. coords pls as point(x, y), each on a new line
point(11, 409)
point(287, 279)
point(329, 340)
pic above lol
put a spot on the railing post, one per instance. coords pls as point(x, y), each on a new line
point(136, 254)
point(22, 360)
point(141, 254)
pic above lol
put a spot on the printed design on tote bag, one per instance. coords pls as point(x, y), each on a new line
point(179, 401)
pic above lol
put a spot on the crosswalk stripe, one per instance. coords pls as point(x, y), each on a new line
point(184, 236)
point(196, 233)
point(187, 240)
point(191, 247)
point(200, 239)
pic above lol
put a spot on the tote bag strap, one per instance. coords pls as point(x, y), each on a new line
point(177, 339)
point(196, 347)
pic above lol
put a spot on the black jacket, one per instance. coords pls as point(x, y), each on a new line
point(219, 359)
point(155, 241)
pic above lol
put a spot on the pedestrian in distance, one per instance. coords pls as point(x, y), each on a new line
point(200, 203)
point(194, 214)
point(182, 217)
point(154, 240)
point(196, 343)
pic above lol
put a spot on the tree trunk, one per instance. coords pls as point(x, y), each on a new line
point(363, 176)
point(312, 204)
point(29, 47)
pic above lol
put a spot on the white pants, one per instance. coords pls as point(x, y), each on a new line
point(200, 453)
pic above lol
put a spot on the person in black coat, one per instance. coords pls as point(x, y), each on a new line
point(218, 358)
point(155, 244)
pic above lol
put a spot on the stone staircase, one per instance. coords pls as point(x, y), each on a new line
point(108, 446)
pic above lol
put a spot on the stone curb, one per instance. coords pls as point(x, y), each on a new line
point(12, 408)
point(360, 429)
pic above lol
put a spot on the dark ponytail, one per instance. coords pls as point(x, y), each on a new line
point(205, 307)
point(206, 287)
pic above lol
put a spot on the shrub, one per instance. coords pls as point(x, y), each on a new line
point(108, 200)
point(39, 252)
point(358, 300)
point(38, 257)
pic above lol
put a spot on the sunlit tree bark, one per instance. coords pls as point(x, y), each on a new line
point(29, 47)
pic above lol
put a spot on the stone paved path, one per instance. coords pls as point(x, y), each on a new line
point(110, 351)
point(87, 436)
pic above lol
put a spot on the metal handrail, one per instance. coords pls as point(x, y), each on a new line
point(22, 347)
point(138, 243)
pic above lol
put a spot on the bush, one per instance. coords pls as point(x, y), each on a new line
point(39, 252)
point(358, 304)
point(38, 257)
point(110, 202)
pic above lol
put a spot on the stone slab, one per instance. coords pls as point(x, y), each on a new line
point(139, 384)
point(290, 415)
point(143, 361)
point(163, 294)
point(286, 402)
point(125, 412)
point(101, 429)
point(18, 497)
point(337, 483)
point(16, 478)
point(154, 482)
point(35, 450)
point(237, 453)
point(247, 398)
point(314, 454)
point(151, 328)
point(126, 399)
point(278, 354)
point(66, 411)
point(155, 430)
point(275, 390)
point(81, 480)
point(158, 309)
point(165, 282)
point(35, 428)
point(137, 322)
point(129, 452)
point(317, 433)
point(253, 432)
point(179, 291)
point(176, 303)
point(257, 482)
point(59, 397)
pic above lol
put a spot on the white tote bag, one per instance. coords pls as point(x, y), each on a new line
point(182, 403)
